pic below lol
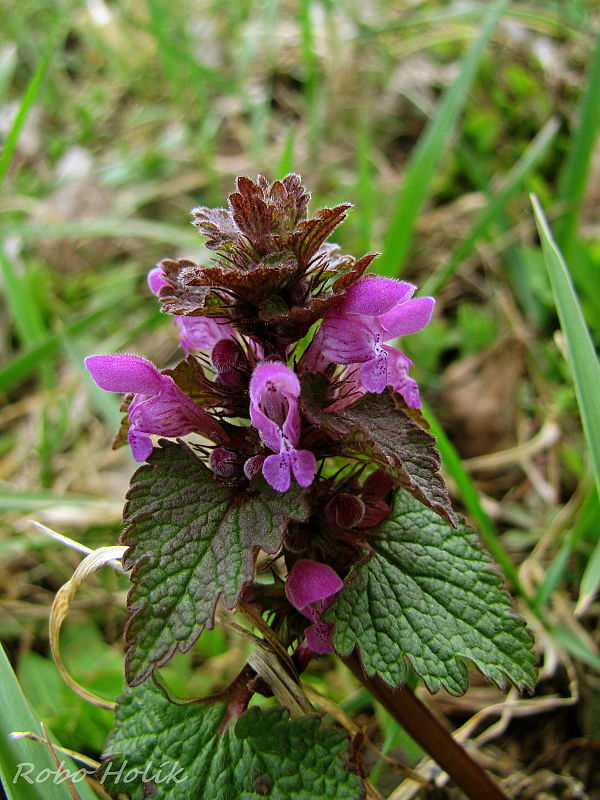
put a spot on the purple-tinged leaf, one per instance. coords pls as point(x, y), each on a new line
point(380, 428)
point(312, 233)
point(192, 541)
point(218, 225)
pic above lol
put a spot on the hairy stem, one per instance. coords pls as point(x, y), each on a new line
point(418, 721)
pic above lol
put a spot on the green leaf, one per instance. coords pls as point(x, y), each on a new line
point(192, 541)
point(470, 497)
point(264, 754)
point(428, 594)
point(382, 429)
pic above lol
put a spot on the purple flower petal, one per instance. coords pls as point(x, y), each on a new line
point(276, 470)
point(269, 381)
point(140, 443)
point(270, 432)
point(274, 390)
point(374, 296)
point(124, 373)
point(304, 466)
point(202, 333)
point(399, 379)
point(374, 310)
point(156, 280)
point(409, 317)
point(374, 373)
point(310, 582)
point(158, 405)
point(319, 637)
point(345, 339)
point(195, 333)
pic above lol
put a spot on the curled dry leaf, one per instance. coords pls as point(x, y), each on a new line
point(60, 608)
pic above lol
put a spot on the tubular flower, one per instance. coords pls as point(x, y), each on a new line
point(274, 392)
point(158, 405)
point(373, 311)
point(195, 333)
point(310, 588)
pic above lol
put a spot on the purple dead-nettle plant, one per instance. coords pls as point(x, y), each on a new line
point(304, 441)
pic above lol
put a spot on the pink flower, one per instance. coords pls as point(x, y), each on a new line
point(373, 311)
point(274, 392)
point(310, 587)
point(158, 405)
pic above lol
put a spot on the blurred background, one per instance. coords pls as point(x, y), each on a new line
point(436, 119)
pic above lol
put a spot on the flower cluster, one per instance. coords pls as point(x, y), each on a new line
point(243, 324)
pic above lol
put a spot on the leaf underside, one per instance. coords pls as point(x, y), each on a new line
point(192, 541)
point(184, 749)
point(428, 594)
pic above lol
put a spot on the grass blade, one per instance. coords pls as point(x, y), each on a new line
point(426, 156)
point(580, 349)
point(310, 75)
point(24, 109)
point(576, 168)
point(18, 716)
point(12, 499)
point(567, 638)
point(590, 581)
point(25, 313)
point(111, 228)
point(286, 160)
point(181, 67)
point(584, 365)
point(365, 185)
point(589, 524)
point(30, 360)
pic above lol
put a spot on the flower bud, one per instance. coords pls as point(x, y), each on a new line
point(224, 463)
point(344, 511)
point(253, 466)
point(230, 362)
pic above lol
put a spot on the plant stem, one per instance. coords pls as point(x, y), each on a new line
point(419, 722)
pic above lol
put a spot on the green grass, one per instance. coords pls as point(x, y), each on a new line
point(18, 716)
point(586, 373)
point(498, 199)
point(426, 156)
